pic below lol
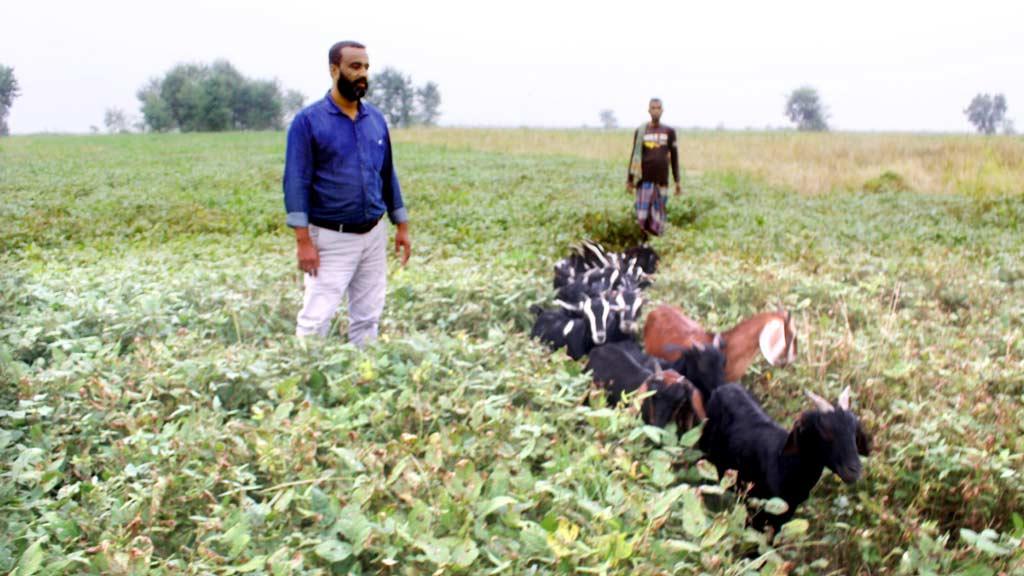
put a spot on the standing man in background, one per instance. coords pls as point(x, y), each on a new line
point(339, 181)
point(654, 146)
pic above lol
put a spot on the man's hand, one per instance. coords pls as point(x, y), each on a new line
point(309, 258)
point(402, 243)
point(679, 189)
point(629, 187)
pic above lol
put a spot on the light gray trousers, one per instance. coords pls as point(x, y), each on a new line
point(355, 264)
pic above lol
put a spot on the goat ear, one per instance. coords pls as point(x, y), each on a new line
point(566, 306)
point(844, 399)
point(863, 440)
point(773, 341)
point(820, 403)
point(792, 445)
point(659, 374)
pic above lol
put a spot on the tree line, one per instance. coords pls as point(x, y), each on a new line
point(987, 113)
point(216, 97)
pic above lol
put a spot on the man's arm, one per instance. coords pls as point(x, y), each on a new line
point(629, 168)
point(392, 195)
point(297, 182)
point(673, 150)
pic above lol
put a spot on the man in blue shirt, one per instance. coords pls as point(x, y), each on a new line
point(339, 181)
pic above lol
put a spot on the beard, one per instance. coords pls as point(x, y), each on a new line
point(352, 91)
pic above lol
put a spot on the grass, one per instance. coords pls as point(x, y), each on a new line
point(156, 415)
point(805, 162)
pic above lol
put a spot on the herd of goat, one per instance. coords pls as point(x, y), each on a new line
point(686, 374)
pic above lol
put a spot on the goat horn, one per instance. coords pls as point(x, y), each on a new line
point(844, 399)
point(717, 342)
point(819, 402)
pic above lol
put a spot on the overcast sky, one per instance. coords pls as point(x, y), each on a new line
point(879, 65)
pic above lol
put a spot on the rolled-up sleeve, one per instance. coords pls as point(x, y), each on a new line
point(391, 191)
point(298, 173)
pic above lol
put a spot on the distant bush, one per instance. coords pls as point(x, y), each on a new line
point(887, 181)
point(214, 98)
point(613, 231)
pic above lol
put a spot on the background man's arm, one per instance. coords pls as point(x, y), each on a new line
point(673, 150)
point(629, 169)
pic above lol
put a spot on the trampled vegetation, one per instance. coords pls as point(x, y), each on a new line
point(156, 413)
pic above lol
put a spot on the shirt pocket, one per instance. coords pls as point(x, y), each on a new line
point(377, 153)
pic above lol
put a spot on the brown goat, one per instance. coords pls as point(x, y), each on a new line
point(668, 331)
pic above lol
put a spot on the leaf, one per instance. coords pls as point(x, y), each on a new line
point(349, 458)
point(286, 389)
point(728, 479)
point(707, 470)
point(561, 541)
point(435, 550)
point(691, 437)
point(793, 530)
point(681, 546)
point(714, 534)
point(464, 553)
point(662, 504)
point(694, 519)
point(237, 538)
point(316, 382)
point(31, 559)
point(354, 526)
point(776, 506)
point(487, 507)
point(333, 550)
point(257, 563)
point(284, 500)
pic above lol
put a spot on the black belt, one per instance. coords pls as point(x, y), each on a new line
point(357, 228)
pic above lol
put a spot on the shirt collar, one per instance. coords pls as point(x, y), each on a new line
point(333, 108)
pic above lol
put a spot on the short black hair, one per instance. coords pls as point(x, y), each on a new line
point(653, 100)
point(334, 54)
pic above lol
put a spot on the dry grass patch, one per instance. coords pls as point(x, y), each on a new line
point(808, 163)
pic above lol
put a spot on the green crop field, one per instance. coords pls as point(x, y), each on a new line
point(157, 414)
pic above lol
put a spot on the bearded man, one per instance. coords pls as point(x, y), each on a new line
point(339, 181)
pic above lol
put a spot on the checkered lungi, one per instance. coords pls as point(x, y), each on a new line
point(650, 208)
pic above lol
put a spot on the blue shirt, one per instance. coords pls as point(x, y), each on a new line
point(338, 169)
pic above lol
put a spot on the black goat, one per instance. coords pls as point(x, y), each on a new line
point(645, 257)
point(576, 291)
point(738, 435)
point(577, 327)
point(628, 302)
point(704, 366)
point(622, 367)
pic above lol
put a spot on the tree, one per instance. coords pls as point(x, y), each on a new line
point(292, 104)
point(428, 100)
point(402, 103)
point(986, 112)
point(804, 107)
point(1008, 127)
point(608, 120)
point(116, 121)
point(156, 113)
point(392, 93)
point(210, 98)
point(9, 90)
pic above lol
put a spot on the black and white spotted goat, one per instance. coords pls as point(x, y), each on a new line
point(598, 296)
